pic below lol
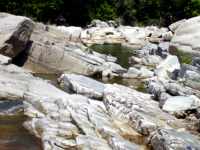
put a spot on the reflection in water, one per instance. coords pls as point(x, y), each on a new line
point(120, 52)
point(13, 136)
point(52, 78)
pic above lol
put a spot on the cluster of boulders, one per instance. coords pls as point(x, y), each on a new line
point(87, 114)
point(172, 71)
point(99, 32)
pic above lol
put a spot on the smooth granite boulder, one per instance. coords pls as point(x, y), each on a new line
point(15, 32)
point(82, 85)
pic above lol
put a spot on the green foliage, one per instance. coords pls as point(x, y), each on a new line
point(184, 57)
point(95, 11)
point(195, 7)
point(81, 12)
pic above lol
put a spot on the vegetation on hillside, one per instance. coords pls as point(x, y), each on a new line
point(81, 12)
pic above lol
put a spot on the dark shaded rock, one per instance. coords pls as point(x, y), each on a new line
point(163, 49)
point(168, 139)
point(15, 32)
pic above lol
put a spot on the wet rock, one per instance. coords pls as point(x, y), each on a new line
point(166, 139)
point(11, 107)
point(167, 67)
point(82, 85)
point(178, 104)
point(54, 135)
point(15, 32)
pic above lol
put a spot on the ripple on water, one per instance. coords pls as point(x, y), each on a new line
point(117, 50)
point(122, 54)
point(13, 136)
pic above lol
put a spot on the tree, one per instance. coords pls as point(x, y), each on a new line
point(101, 9)
point(82, 12)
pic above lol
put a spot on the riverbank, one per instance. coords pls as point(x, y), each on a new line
point(75, 111)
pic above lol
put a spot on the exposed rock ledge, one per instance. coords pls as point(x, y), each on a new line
point(50, 51)
point(65, 121)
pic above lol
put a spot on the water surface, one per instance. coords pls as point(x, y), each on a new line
point(13, 136)
point(117, 50)
point(122, 54)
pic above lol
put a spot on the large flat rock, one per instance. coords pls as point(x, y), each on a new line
point(82, 85)
point(61, 120)
point(52, 51)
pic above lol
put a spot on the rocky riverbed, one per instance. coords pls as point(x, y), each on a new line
point(77, 94)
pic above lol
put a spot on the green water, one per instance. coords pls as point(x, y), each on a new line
point(117, 50)
point(136, 84)
point(122, 54)
point(52, 78)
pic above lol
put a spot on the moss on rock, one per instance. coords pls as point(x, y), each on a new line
point(184, 57)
